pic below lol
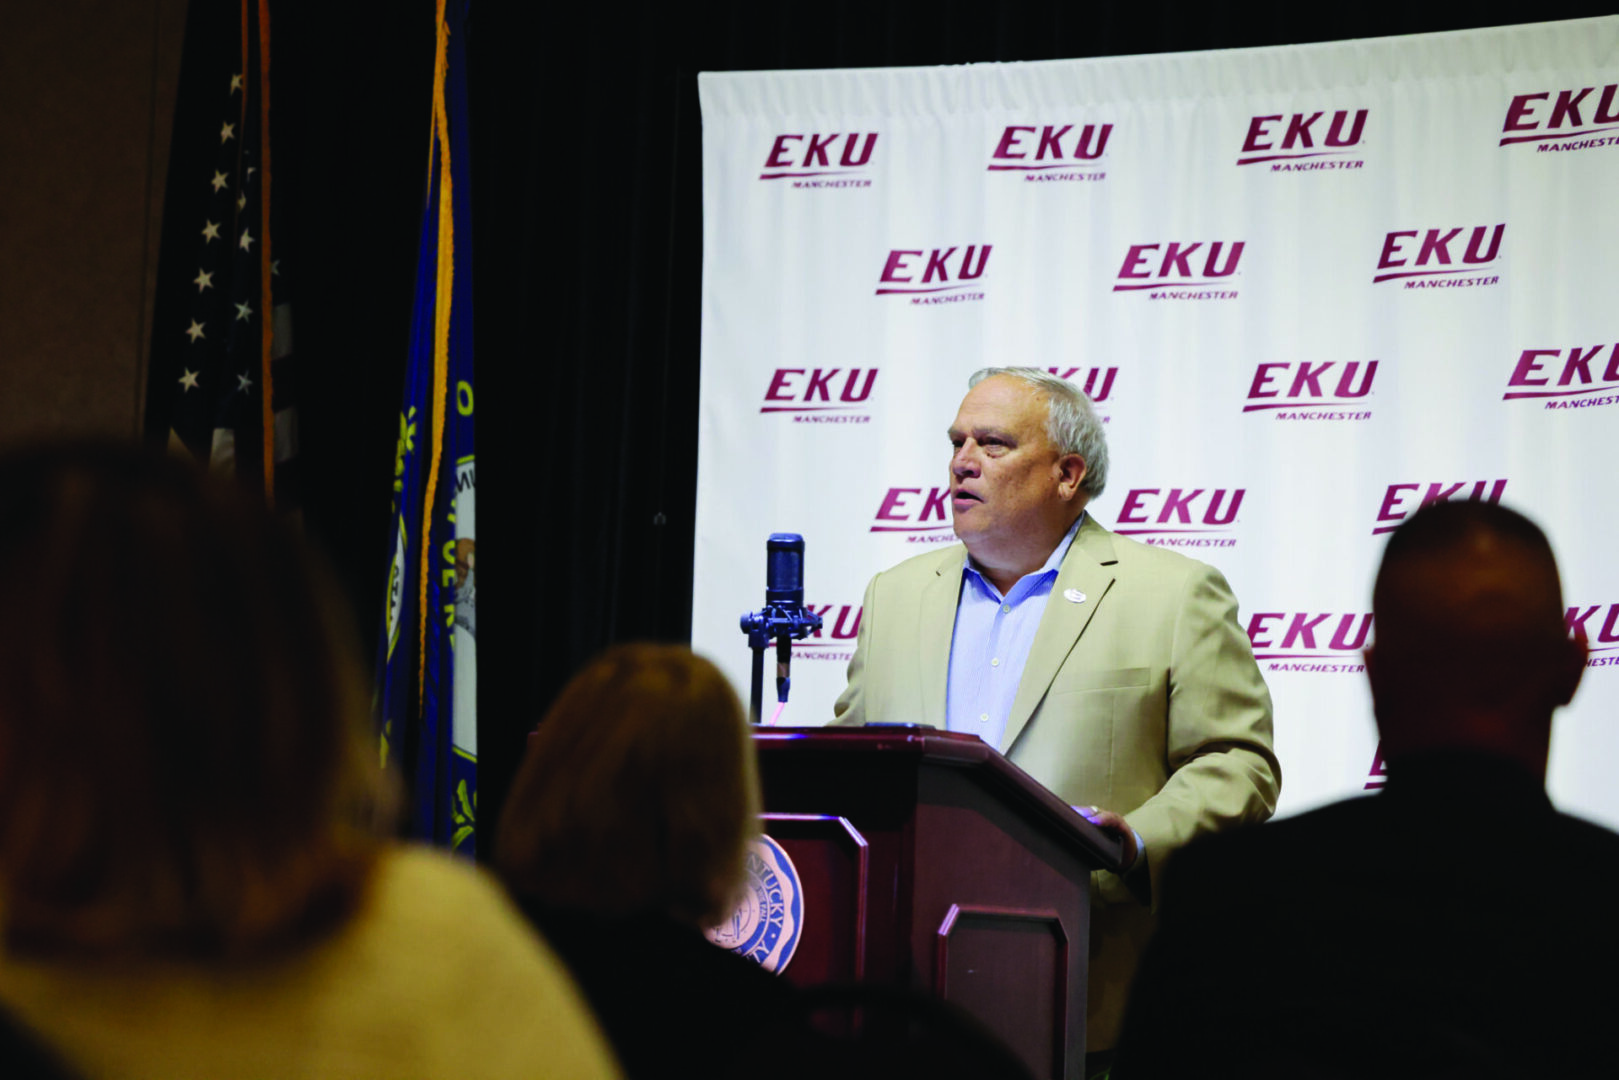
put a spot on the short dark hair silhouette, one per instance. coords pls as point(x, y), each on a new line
point(1469, 647)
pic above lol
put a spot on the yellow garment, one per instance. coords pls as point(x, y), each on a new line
point(437, 976)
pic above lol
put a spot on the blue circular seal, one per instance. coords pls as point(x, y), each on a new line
point(766, 924)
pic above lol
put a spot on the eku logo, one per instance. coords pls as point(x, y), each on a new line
point(1297, 140)
point(1562, 119)
point(1304, 641)
point(1433, 256)
point(943, 271)
point(1379, 776)
point(819, 395)
point(1172, 517)
point(794, 156)
point(921, 513)
point(1397, 506)
point(1178, 265)
point(1024, 148)
point(1574, 381)
point(1097, 384)
point(1288, 385)
point(840, 621)
point(1579, 621)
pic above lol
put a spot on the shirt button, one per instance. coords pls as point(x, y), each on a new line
point(995, 662)
point(983, 718)
point(1006, 607)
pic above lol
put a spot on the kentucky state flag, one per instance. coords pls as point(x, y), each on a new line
point(427, 658)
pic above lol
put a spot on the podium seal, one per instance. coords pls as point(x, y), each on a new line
point(766, 924)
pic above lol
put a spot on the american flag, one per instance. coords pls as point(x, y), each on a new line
point(222, 380)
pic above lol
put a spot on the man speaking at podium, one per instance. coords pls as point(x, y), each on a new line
point(1114, 673)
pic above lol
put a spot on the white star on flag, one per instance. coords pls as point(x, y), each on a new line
point(203, 280)
point(241, 201)
point(251, 169)
point(210, 231)
point(235, 83)
point(189, 380)
point(227, 133)
point(243, 383)
point(275, 267)
point(243, 311)
point(194, 331)
point(218, 181)
point(247, 241)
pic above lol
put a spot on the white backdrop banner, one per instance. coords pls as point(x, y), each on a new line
point(1309, 288)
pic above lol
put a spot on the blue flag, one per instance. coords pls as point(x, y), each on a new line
point(427, 658)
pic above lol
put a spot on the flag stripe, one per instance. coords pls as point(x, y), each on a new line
point(247, 59)
point(266, 304)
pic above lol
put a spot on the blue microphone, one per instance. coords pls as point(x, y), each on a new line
point(783, 618)
point(784, 570)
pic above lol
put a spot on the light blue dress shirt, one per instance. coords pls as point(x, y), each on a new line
point(990, 645)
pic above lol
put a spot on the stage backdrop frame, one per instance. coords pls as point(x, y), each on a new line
point(1309, 287)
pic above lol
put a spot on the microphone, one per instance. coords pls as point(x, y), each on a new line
point(784, 591)
point(783, 617)
point(784, 570)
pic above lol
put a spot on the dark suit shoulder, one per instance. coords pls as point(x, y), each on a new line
point(1385, 927)
point(1599, 838)
point(1397, 846)
point(1587, 851)
point(1245, 859)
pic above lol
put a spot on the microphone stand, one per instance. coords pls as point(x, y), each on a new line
point(785, 623)
point(783, 617)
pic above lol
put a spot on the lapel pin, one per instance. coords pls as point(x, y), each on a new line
point(1073, 596)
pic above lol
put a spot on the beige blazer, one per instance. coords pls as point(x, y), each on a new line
point(1142, 698)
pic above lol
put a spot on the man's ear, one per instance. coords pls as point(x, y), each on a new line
point(1071, 473)
point(1571, 668)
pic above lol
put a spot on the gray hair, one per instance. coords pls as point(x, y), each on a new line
point(1071, 421)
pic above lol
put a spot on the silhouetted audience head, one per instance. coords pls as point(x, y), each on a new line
point(183, 765)
point(638, 794)
point(1470, 650)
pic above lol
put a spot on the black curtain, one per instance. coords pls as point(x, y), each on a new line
point(353, 85)
point(588, 229)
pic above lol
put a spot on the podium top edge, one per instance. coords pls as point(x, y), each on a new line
point(953, 749)
point(913, 738)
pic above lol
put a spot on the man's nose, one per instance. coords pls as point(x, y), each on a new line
point(964, 462)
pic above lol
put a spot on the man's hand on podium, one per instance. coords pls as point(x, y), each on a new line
point(1110, 822)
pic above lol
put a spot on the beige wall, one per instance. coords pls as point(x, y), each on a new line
point(89, 86)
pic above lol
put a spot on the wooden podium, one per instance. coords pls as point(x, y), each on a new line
point(927, 860)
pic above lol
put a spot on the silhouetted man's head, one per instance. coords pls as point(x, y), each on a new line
point(1470, 650)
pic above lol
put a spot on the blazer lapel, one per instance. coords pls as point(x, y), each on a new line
point(937, 614)
point(1088, 568)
